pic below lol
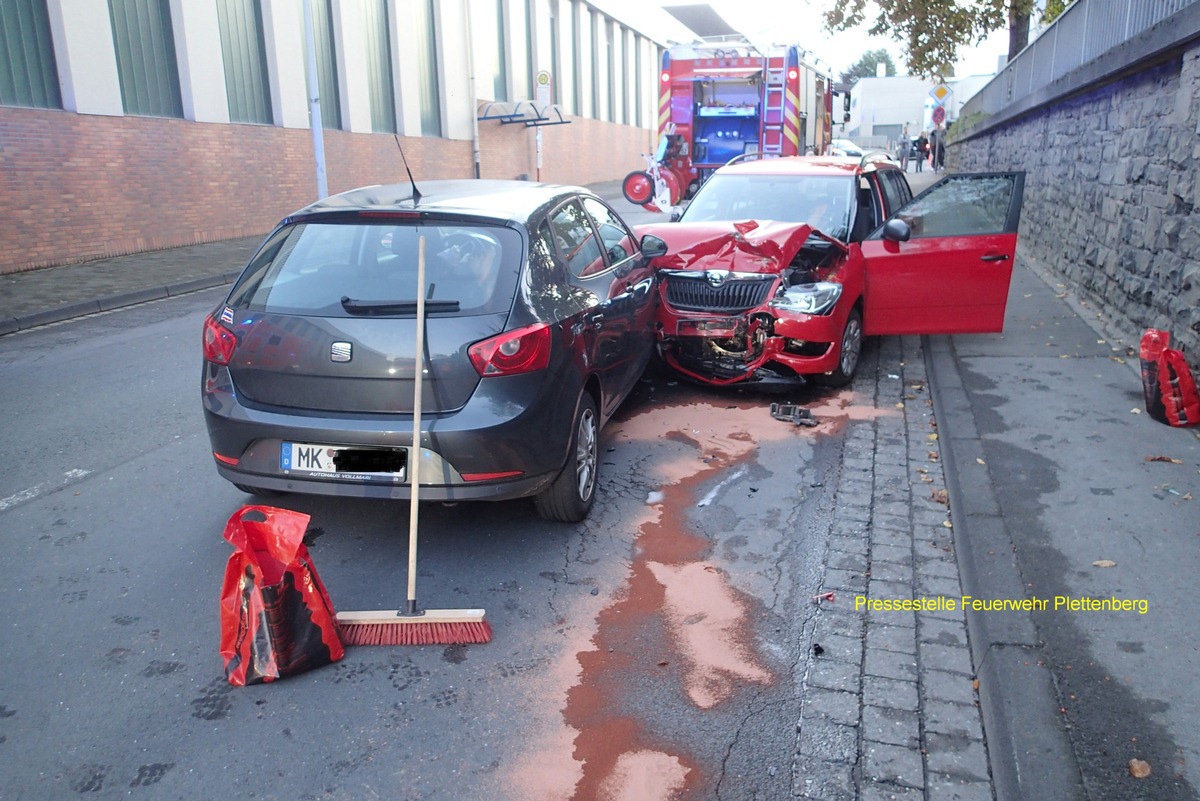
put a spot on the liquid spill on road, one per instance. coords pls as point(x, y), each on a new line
point(676, 622)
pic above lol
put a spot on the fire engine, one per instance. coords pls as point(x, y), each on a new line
point(720, 99)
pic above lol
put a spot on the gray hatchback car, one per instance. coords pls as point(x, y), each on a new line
point(538, 323)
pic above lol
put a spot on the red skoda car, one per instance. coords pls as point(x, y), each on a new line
point(778, 268)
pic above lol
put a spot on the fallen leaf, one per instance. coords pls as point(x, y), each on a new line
point(899, 405)
point(979, 461)
point(663, 663)
point(941, 496)
point(947, 524)
point(1187, 497)
point(1139, 769)
point(1163, 459)
point(1135, 411)
point(931, 437)
point(909, 396)
point(1101, 342)
point(975, 684)
point(1118, 359)
point(927, 479)
point(1104, 563)
point(933, 456)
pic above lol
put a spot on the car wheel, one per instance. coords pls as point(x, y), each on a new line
point(570, 497)
point(849, 353)
point(262, 493)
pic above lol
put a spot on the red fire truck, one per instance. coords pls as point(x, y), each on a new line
point(719, 99)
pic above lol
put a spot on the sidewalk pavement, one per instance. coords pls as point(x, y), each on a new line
point(1052, 472)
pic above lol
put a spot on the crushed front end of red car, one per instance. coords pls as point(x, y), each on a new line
point(755, 302)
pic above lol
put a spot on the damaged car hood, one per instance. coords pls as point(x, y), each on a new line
point(747, 246)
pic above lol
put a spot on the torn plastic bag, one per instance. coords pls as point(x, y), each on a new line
point(276, 616)
point(1167, 382)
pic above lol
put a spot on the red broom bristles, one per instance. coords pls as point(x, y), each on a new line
point(415, 632)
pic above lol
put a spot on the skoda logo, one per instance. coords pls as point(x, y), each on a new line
point(340, 351)
point(717, 277)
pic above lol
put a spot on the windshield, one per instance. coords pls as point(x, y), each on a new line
point(340, 269)
point(822, 201)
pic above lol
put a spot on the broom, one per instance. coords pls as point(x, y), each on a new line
point(413, 626)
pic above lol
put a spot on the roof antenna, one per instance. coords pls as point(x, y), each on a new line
point(416, 193)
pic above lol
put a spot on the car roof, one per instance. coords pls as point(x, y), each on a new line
point(810, 165)
point(514, 201)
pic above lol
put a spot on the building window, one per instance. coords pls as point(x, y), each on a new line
point(245, 58)
point(426, 59)
point(595, 23)
point(577, 52)
point(379, 66)
point(327, 83)
point(487, 33)
point(611, 53)
point(28, 74)
point(145, 46)
point(638, 81)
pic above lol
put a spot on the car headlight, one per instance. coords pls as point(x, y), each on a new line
point(818, 298)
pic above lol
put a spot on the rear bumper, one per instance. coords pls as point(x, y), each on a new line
point(512, 426)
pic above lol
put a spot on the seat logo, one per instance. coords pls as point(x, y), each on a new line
point(340, 352)
point(716, 277)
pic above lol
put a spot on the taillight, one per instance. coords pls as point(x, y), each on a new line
point(522, 351)
point(219, 342)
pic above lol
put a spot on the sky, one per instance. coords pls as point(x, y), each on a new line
point(800, 22)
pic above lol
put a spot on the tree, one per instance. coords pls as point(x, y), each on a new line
point(867, 66)
point(932, 31)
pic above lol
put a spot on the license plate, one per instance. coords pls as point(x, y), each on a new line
point(345, 462)
point(721, 327)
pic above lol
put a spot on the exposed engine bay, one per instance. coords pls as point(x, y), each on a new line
point(728, 347)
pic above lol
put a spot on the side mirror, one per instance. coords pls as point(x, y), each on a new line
point(653, 247)
point(896, 230)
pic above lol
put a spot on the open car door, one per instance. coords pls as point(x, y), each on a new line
point(952, 274)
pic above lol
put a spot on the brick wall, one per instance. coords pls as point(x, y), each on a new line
point(1112, 196)
point(78, 187)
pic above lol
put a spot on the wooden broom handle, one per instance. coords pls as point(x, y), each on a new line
point(415, 467)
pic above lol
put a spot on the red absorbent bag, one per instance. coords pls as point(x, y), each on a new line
point(1167, 381)
point(276, 616)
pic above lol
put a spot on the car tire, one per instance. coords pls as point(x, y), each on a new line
point(849, 353)
point(570, 497)
point(261, 493)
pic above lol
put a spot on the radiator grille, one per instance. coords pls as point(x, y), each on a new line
point(697, 294)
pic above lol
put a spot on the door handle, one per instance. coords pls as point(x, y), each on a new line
point(994, 257)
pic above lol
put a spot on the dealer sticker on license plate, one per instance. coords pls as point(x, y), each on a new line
point(343, 462)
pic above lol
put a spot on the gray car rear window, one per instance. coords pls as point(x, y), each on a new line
point(308, 268)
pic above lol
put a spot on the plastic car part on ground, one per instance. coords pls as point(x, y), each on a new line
point(791, 413)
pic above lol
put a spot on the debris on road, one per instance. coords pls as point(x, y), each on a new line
point(791, 413)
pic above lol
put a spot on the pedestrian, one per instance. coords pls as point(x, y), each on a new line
point(902, 148)
point(937, 147)
point(922, 150)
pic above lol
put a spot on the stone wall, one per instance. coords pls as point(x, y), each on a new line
point(1112, 196)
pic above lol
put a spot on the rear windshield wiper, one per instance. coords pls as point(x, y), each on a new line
point(369, 307)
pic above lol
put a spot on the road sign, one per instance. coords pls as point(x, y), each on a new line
point(940, 93)
point(939, 115)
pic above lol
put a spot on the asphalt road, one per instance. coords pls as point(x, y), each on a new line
point(660, 639)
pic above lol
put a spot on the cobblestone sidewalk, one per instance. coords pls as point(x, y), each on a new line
point(889, 708)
